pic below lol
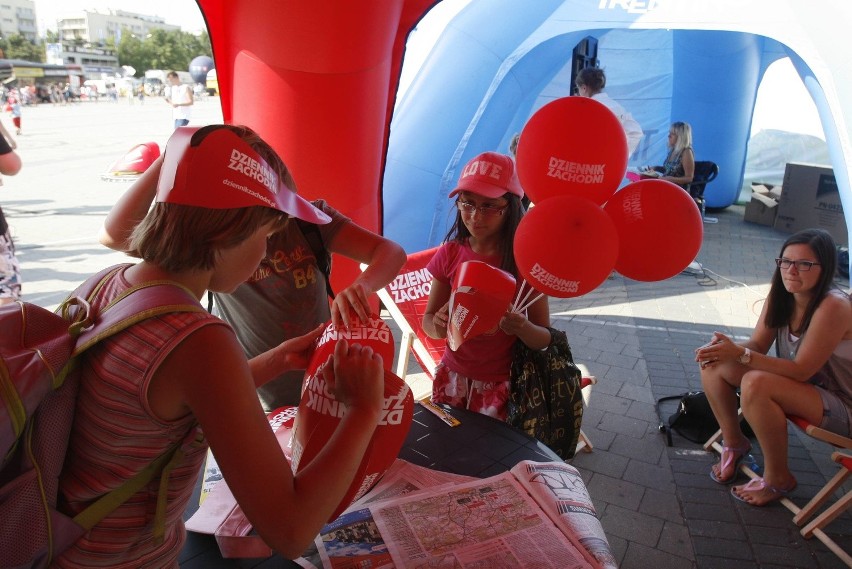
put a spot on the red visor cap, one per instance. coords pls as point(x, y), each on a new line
point(491, 175)
point(224, 172)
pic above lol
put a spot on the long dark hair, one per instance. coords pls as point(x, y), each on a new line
point(780, 302)
point(514, 212)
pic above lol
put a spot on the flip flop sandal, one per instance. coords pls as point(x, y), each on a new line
point(730, 455)
point(758, 485)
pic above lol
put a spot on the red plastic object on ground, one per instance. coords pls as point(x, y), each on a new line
point(133, 163)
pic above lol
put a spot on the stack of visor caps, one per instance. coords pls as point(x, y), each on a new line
point(222, 172)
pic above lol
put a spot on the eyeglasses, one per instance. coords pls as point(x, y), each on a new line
point(800, 265)
point(486, 210)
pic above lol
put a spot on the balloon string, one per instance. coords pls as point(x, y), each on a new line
point(524, 299)
point(530, 303)
point(518, 295)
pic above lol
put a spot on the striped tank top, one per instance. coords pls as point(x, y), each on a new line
point(115, 435)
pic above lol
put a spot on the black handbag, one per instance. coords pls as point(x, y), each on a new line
point(694, 419)
point(545, 399)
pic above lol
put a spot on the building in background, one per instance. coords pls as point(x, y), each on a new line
point(18, 17)
point(96, 28)
point(87, 38)
point(95, 61)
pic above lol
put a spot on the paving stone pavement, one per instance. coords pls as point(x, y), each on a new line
point(657, 503)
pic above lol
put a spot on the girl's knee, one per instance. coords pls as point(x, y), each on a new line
point(757, 386)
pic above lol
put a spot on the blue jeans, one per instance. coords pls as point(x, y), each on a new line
point(181, 122)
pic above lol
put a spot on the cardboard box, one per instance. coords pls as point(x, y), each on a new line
point(811, 199)
point(762, 209)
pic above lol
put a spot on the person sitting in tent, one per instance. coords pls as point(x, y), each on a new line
point(590, 83)
point(679, 167)
point(809, 320)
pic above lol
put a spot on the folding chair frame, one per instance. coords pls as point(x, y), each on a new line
point(815, 527)
point(800, 514)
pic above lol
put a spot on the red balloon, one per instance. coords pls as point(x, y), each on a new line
point(573, 145)
point(375, 334)
point(659, 229)
point(565, 246)
point(317, 419)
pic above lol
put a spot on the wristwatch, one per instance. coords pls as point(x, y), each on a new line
point(746, 357)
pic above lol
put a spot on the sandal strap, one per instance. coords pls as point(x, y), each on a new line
point(731, 455)
point(759, 483)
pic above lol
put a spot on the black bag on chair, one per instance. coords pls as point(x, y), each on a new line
point(545, 400)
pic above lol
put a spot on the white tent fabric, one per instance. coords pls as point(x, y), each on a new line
point(700, 61)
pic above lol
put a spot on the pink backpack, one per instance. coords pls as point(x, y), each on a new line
point(39, 353)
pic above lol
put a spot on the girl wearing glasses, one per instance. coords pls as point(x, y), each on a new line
point(810, 375)
point(488, 203)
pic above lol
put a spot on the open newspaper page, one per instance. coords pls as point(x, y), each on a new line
point(559, 489)
point(492, 522)
point(353, 539)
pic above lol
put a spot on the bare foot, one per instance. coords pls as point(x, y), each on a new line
point(758, 493)
point(725, 471)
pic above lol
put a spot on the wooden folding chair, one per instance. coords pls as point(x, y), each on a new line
point(586, 383)
point(833, 439)
point(715, 443)
point(405, 299)
point(820, 434)
point(800, 515)
point(815, 528)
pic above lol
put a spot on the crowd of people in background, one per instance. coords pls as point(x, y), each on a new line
point(62, 93)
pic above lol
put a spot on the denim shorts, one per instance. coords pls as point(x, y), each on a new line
point(836, 415)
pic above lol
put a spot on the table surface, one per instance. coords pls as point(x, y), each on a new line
point(480, 446)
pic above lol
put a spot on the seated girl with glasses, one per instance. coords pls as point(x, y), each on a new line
point(810, 321)
point(476, 375)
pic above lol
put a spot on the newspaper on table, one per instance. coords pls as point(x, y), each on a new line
point(351, 541)
point(536, 512)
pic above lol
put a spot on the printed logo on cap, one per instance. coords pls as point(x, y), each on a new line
point(222, 171)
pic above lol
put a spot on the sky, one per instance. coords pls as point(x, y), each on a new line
point(183, 13)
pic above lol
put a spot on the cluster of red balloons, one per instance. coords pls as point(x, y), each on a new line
point(572, 156)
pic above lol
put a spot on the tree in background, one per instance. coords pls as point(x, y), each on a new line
point(162, 50)
point(17, 46)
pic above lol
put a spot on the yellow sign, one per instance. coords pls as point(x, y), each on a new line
point(28, 72)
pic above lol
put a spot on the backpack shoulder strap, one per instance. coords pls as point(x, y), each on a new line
point(105, 505)
point(134, 305)
point(314, 237)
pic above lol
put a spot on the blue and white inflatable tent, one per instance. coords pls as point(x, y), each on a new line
point(700, 61)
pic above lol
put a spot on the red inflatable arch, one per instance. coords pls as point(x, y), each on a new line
point(317, 80)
